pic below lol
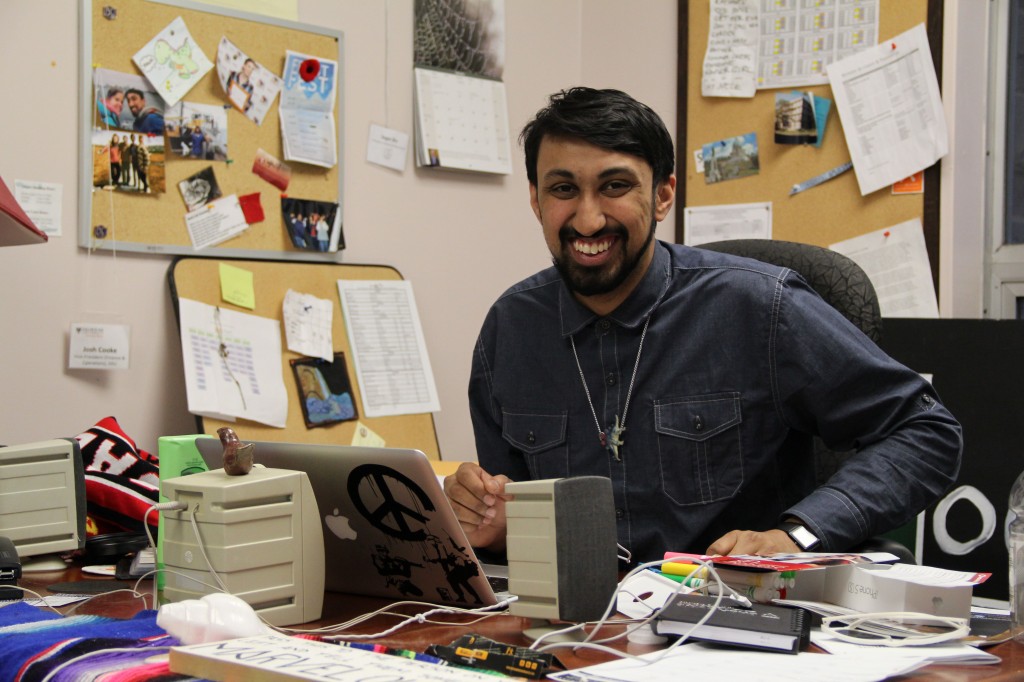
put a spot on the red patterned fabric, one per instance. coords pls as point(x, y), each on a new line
point(121, 480)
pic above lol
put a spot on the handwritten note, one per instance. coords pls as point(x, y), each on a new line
point(307, 325)
point(730, 62)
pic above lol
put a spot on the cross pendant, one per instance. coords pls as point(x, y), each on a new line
point(615, 439)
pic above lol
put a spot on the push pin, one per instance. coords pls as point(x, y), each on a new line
point(309, 69)
point(99, 231)
point(109, 13)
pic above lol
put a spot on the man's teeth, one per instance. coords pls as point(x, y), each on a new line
point(591, 248)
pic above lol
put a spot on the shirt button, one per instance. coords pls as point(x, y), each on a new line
point(610, 380)
point(927, 399)
point(698, 423)
point(603, 325)
point(530, 438)
point(619, 513)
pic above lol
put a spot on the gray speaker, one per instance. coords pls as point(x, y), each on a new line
point(562, 553)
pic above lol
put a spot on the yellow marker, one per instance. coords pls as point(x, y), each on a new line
point(692, 570)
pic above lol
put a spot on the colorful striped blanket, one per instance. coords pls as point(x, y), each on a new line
point(37, 643)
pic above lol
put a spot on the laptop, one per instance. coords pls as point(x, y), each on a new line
point(389, 530)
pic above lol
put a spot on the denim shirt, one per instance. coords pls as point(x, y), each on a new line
point(741, 364)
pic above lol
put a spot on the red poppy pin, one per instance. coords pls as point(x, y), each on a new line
point(309, 69)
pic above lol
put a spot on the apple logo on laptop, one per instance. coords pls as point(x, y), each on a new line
point(339, 525)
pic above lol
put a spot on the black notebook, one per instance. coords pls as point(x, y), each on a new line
point(763, 626)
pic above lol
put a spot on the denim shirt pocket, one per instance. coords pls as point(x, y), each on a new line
point(699, 447)
point(541, 438)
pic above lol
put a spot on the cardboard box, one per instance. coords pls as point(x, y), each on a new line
point(878, 587)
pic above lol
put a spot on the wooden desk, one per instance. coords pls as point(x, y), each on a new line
point(341, 607)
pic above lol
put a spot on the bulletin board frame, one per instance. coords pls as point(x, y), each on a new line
point(115, 220)
point(198, 279)
point(831, 212)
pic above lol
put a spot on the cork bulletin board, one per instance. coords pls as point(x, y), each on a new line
point(153, 222)
point(198, 279)
point(825, 214)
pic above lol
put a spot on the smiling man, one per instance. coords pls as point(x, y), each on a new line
point(694, 380)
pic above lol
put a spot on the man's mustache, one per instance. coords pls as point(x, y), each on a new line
point(568, 233)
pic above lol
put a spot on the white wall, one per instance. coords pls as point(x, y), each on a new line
point(460, 239)
point(963, 201)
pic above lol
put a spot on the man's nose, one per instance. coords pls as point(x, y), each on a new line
point(589, 217)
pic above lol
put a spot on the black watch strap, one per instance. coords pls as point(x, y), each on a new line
point(798, 533)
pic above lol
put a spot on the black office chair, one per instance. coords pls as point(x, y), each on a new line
point(846, 287)
point(836, 278)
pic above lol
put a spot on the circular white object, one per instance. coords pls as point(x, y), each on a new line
point(988, 520)
point(100, 569)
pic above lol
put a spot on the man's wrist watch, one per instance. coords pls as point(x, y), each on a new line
point(798, 533)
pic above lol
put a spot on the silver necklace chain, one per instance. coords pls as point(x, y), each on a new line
point(613, 440)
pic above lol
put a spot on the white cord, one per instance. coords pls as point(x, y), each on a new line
point(202, 550)
point(492, 610)
point(589, 643)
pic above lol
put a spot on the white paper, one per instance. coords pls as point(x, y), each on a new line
point(949, 653)
point(232, 364)
point(703, 224)
point(701, 661)
point(895, 259)
point(461, 122)
point(387, 147)
point(388, 347)
point(307, 325)
point(307, 112)
point(216, 222)
point(730, 62)
point(99, 346)
point(888, 101)
point(798, 40)
point(172, 61)
point(41, 201)
point(251, 87)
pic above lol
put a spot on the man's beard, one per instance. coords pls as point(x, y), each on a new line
point(592, 281)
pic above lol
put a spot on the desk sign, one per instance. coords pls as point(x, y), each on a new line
point(99, 346)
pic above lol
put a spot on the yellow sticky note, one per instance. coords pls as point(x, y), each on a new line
point(236, 286)
point(364, 435)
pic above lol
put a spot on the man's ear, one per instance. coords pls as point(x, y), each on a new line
point(534, 201)
point(664, 197)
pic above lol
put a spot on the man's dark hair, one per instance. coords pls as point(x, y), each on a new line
point(135, 91)
point(607, 118)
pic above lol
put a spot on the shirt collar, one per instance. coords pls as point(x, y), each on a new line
point(634, 310)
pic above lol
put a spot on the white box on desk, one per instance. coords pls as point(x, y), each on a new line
point(808, 584)
point(867, 588)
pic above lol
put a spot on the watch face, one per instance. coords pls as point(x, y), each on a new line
point(802, 537)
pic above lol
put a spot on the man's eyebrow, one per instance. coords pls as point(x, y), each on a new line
point(559, 174)
point(618, 170)
point(563, 174)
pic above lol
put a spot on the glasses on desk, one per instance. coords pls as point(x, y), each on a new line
point(895, 628)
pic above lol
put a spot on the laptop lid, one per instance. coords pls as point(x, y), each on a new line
point(389, 530)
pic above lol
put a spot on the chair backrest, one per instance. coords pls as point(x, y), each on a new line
point(836, 278)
